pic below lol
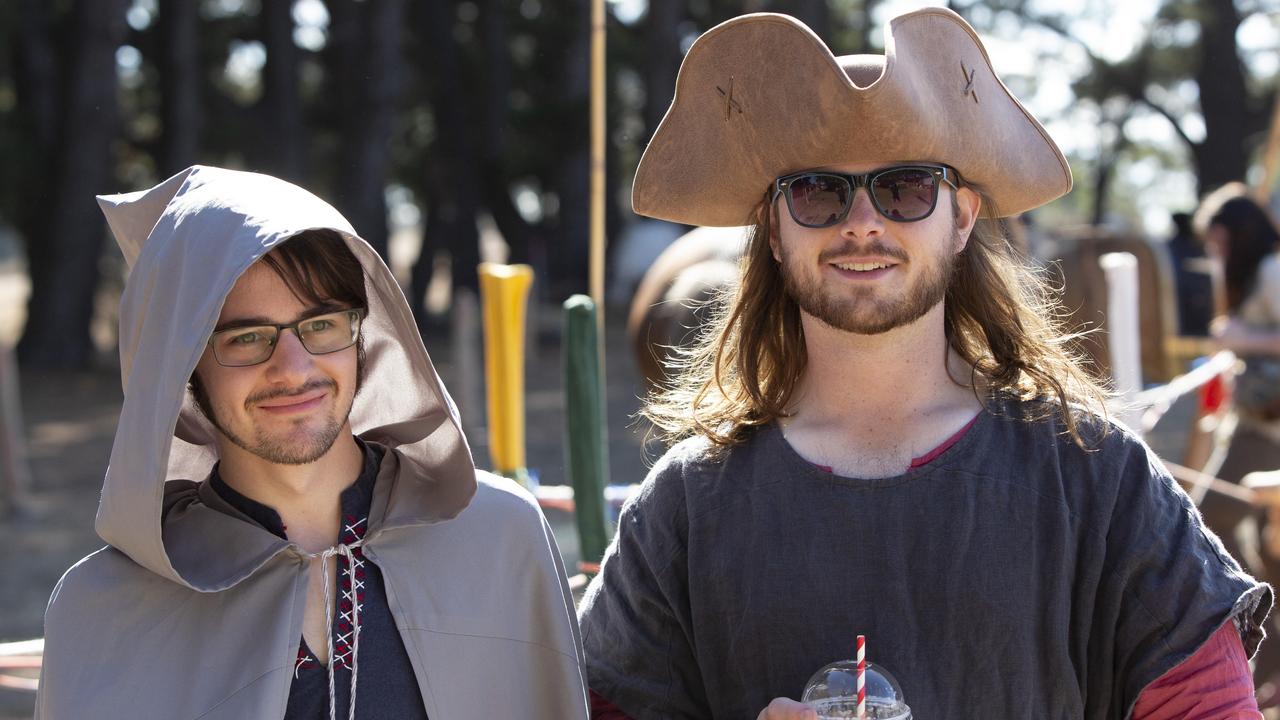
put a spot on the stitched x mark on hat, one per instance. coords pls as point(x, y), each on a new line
point(968, 81)
point(729, 103)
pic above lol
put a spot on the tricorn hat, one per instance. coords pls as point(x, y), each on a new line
point(761, 96)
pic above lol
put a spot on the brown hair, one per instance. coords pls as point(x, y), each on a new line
point(1001, 317)
point(318, 268)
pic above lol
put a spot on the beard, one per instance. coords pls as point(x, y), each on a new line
point(288, 448)
point(859, 309)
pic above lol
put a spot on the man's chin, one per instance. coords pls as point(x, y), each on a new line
point(299, 451)
point(860, 321)
point(294, 446)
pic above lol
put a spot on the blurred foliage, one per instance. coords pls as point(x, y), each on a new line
point(504, 133)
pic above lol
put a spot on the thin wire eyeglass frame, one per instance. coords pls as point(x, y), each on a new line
point(357, 317)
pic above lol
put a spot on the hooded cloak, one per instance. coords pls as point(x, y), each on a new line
point(192, 611)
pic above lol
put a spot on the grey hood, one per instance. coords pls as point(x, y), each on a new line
point(177, 283)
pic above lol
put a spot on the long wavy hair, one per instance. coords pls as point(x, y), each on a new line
point(1001, 318)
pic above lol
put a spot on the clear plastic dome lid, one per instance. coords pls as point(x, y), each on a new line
point(833, 692)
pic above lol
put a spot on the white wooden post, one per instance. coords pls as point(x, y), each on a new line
point(1124, 336)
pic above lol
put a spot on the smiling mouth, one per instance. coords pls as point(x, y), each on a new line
point(863, 266)
point(294, 403)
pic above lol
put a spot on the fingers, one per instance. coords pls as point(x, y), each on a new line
point(787, 709)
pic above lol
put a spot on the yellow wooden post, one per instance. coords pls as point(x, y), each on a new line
point(504, 293)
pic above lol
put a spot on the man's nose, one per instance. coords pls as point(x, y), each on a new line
point(862, 220)
point(290, 360)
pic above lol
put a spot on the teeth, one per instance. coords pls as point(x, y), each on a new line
point(861, 267)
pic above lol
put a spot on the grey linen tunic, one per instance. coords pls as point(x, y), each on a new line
point(1014, 576)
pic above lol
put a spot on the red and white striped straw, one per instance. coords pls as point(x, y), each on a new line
point(862, 677)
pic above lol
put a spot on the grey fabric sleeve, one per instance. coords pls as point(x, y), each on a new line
point(1167, 585)
point(635, 616)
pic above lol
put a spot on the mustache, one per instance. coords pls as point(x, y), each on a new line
point(309, 386)
point(875, 247)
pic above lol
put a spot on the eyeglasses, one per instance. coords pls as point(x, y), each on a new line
point(902, 193)
point(320, 335)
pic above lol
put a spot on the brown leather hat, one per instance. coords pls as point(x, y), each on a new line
point(761, 96)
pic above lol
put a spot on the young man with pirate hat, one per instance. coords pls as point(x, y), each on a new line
point(884, 434)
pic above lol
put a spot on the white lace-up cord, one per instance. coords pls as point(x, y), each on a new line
point(343, 549)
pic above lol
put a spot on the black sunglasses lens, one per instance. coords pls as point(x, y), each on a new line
point(905, 194)
point(818, 200)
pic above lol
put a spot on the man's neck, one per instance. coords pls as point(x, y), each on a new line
point(867, 404)
point(307, 497)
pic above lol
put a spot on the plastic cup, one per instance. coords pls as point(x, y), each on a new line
point(833, 692)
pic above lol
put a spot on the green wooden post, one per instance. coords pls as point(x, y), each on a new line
point(587, 446)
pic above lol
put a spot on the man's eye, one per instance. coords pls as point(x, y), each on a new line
point(248, 338)
point(318, 325)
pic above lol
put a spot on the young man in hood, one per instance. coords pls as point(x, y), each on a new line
point(883, 434)
point(295, 526)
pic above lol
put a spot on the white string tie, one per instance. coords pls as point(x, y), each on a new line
point(343, 549)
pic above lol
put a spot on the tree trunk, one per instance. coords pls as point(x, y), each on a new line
point(1108, 156)
point(180, 84)
point(570, 242)
point(366, 63)
point(64, 262)
point(452, 178)
point(497, 88)
point(284, 137)
point(661, 59)
point(1221, 157)
point(36, 82)
point(37, 78)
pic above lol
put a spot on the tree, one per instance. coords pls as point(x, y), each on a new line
point(63, 255)
point(180, 85)
point(283, 125)
point(1234, 114)
point(36, 83)
point(496, 148)
point(1232, 117)
point(661, 59)
point(365, 67)
point(572, 170)
point(451, 177)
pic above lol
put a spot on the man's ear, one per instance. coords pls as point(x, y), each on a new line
point(968, 206)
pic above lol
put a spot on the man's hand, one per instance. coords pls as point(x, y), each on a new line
point(787, 709)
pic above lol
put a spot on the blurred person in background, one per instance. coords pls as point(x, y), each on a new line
point(1240, 235)
point(1193, 286)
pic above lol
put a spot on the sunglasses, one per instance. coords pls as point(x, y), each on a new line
point(902, 193)
point(319, 334)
